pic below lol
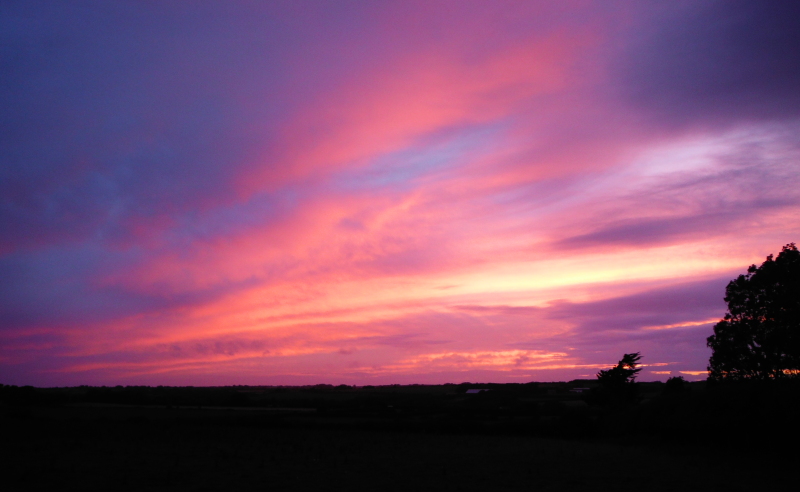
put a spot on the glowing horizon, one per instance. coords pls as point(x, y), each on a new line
point(377, 193)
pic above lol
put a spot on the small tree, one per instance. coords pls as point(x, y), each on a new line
point(622, 374)
point(616, 384)
point(759, 337)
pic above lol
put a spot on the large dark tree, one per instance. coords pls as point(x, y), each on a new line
point(759, 338)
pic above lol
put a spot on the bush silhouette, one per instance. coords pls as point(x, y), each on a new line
point(675, 386)
point(759, 337)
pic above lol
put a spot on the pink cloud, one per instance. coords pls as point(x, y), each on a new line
point(392, 194)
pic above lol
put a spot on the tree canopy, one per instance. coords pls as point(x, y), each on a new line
point(623, 373)
point(616, 384)
point(759, 337)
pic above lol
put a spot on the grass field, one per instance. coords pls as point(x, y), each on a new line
point(115, 447)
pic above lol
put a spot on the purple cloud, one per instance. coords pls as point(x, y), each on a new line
point(715, 62)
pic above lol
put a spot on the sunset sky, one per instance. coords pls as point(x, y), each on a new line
point(209, 193)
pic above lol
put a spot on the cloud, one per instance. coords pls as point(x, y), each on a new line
point(722, 187)
point(314, 190)
point(714, 62)
point(662, 306)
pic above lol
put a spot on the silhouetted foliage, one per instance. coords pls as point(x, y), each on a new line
point(623, 373)
point(616, 384)
point(675, 386)
point(759, 337)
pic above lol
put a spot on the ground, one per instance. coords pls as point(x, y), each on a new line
point(115, 447)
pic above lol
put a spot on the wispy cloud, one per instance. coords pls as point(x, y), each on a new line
point(388, 192)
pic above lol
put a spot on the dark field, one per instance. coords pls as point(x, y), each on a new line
point(388, 438)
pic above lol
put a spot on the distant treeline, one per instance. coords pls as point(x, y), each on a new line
point(701, 411)
point(321, 397)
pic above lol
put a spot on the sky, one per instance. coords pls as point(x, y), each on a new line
point(380, 192)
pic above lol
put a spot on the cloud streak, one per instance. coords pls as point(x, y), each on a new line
point(384, 193)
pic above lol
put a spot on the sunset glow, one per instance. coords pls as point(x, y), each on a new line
point(385, 192)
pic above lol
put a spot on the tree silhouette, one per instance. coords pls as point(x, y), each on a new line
point(622, 374)
point(759, 337)
point(616, 384)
